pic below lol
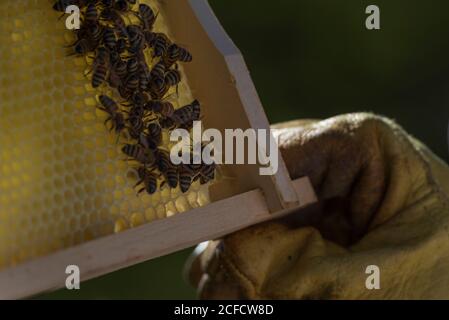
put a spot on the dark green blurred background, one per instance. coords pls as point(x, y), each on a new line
point(316, 59)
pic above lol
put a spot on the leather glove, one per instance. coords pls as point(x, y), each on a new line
point(383, 201)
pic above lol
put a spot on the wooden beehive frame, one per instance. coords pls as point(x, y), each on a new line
point(219, 78)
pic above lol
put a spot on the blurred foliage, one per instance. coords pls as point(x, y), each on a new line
point(157, 279)
point(316, 59)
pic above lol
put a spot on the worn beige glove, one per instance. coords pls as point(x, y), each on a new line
point(383, 202)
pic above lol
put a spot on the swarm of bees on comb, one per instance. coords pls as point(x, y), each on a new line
point(143, 110)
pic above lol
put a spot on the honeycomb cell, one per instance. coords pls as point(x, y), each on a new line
point(124, 208)
point(63, 179)
point(68, 180)
point(120, 225)
point(78, 237)
point(84, 221)
point(57, 184)
point(135, 203)
point(170, 209)
point(114, 211)
point(88, 234)
point(181, 204)
point(160, 211)
point(145, 200)
point(203, 198)
point(107, 228)
point(137, 219)
point(165, 195)
point(88, 205)
point(192, 198)
point(150, 214)
point(93, 219)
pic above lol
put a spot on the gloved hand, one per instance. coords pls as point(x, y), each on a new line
point(383, 201)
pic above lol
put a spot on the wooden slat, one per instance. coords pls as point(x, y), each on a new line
point(146, 242)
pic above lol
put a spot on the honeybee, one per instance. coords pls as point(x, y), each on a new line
point(106, 3)
point(109, 38)
point(171, 177)
point(144, 81)
point(100, 72)
point(134, 30)
point(166, 167)
point(139, 153)
point(140, 57)
point(160, 45)
point(139, 99)
point(172, 77)
point(149, 37)
point(147, 141)
point(136, 38)
point(100, 67)
point(132, 83)
point(114, 56)
point(196, 169)
point(132, 65)
point(207, 173)
point(148, 179)
point(95, 32)
point(136, 102)
point(85, 42)
point(114, 79)
point(124, 92)
point(136, 124)
point(163, 108)
point(120, 68)
point(61, 5)
point(109, 105)
point(116, 75)
point(176, 53)
point(158, 88)
point(84, 46)
point(114, 114)
point(184, 55)
point(146, 16)
point(122, 5)
point(158, 70)
point(101, 56)
point(136, 46)
point(186, 176)
point(154, 137)
point(144, 71)
point(184, 116)
point(172, 55)
point(111, 15)
point(196, 110)
point(163, 162)
point(167, 123)
point(121, 45)
point(91, 15)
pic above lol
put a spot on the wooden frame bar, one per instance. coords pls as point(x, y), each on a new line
point(146, 242)
point(220, 79)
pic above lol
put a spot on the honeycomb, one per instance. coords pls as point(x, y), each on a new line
point(63, 178)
